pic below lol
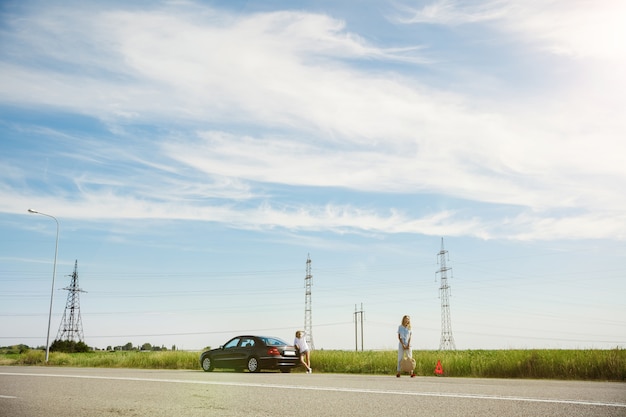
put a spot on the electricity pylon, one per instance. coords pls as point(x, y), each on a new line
point(447, 340)
point(72, 326)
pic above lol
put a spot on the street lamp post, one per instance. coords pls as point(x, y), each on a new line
point(54, 272)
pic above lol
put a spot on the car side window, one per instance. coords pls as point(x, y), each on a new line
point(233, 343)
point(247, 342)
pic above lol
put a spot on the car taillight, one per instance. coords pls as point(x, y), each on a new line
point(273, 351)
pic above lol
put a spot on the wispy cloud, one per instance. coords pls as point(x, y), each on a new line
point(454, 12)
point(281, 99)
point(577, 28)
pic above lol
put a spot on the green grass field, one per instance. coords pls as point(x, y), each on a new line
point(605, 365)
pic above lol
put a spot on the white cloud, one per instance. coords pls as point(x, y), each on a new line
point(454, 12)
point(282, 98)
point(577, 28)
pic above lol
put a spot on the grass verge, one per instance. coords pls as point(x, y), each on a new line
point(605, 365)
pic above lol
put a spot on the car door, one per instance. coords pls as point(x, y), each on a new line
point(243, 352)
point(247, 350)
point(228, 354)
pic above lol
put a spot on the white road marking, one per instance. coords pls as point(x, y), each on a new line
point(7, 396)
point(335, 389)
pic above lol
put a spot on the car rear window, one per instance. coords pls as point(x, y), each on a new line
point(272, 341)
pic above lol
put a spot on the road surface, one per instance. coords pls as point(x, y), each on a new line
point(97, 392)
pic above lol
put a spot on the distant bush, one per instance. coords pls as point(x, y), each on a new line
point(14, 350)
point(69, 346)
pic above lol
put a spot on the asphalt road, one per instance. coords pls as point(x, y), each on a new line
point(97, 392)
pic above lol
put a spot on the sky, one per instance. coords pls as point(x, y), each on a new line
point(195, 154)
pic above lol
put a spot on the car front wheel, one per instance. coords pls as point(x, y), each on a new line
point(207, 364)
point(253, 365)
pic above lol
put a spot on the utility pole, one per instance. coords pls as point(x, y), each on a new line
point(72, 326)
point(447, 340)
point(308, 309)
point(358, 315)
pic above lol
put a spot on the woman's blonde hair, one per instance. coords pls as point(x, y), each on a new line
point(408, 318)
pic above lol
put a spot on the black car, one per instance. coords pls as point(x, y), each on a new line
point(252, 353)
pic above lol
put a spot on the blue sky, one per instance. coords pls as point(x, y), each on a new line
point(196, 153)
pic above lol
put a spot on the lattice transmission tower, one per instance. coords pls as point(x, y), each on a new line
point(308, 309)
point(71, 325)
point(447, 340)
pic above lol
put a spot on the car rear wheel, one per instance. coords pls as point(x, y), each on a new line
point(253, 364)
point(207, 364)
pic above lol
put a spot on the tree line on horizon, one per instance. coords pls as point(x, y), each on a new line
point(70, 346)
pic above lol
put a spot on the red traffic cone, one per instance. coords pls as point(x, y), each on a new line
point(439, 368)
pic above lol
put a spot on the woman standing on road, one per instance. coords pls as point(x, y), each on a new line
point(304, 351)
point(404, 346)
